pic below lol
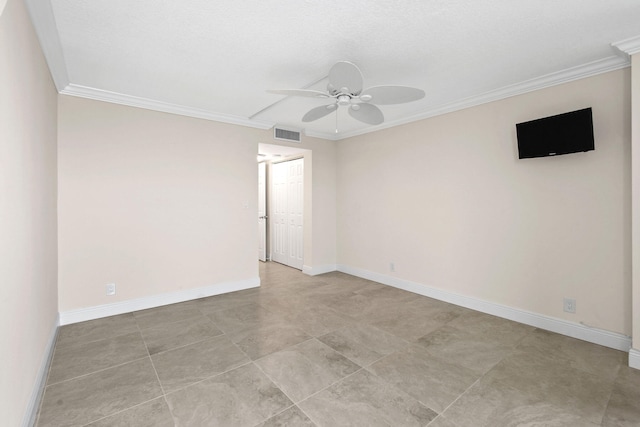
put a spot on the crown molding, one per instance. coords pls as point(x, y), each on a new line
point(629, 46)
point(165, 107)
point(46, 29)
point(322, 135)
point(565, 76)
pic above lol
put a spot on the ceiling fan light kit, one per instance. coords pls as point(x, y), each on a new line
point(345, 87)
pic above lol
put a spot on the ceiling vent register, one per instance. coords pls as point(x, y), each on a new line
point(286, 135)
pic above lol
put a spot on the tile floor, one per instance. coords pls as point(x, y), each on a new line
point(331, 350)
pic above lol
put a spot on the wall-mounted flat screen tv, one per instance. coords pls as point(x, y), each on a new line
point(551, 136)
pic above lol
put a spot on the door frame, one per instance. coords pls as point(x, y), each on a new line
point(292, 153)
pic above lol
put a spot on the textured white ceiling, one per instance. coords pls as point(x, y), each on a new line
point(218, 58)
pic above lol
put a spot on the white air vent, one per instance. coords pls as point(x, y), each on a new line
point(286, 135)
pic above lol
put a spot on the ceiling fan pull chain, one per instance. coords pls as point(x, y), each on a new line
point(336, 120)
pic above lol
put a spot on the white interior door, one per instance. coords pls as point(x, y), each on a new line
point(287, 213)
point(278, 213)
point(295, 203)
point(262, 212)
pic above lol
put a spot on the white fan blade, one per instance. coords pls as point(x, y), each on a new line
point(345, 75)
point(300, 92)
point(385, 95)
point(367, 113)
point(318, 112)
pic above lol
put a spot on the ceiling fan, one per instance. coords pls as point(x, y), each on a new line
point(345, 87)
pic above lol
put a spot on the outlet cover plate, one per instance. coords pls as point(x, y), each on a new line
point(569, 305)
point(111, 289)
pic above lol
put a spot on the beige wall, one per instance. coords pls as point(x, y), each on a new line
point(159, 203)
point(447, 200)
point(28, 291)
point(635, 130)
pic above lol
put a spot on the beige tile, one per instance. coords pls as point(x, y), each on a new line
point(177, 334)
point(440, 421)
point(433, 381)
point(292, 417)
point(318, 320)
point(155, 413)
point(155, 317)
point(306, 368)
point(363, 399)
point(492, 328)
point(531, 377)
point(259, 342)
point(241, 397)
point(414, 319)
point(245, 316)
point(367, 306)
point(92, 397)
point(587, 357)
point(362, 343)
point(567, 393)
point(624, 406)
point(285, 301)
point(81, 359)
point(97, 329)
point(477, 352)
point(488, 404)
point(230, 300)
point(192, 363)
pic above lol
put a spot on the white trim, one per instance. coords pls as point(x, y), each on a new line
point(629, 46)
point(323, 135)
point(319, 269)
point(97, 312)
point(41, 378)
point(165, 107)
point(44, 23)
point(634, 358)
point(571, 329)
point(560, 77)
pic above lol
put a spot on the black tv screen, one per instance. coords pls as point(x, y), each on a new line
point(551, 136)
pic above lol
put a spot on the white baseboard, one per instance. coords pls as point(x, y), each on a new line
point(41, 379)
point(97, 312)
point(319, 269)
point(571, 329)
point(634, 358)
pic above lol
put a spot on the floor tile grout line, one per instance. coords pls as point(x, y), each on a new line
point(98, 371)
point(293, 403)
point(122, 410)
point(66, 346)
point(170, 392)
point(182, 346)
point(330, 385)
point(320, 391)
point(486, 373)
point(164, 393)
point(613, 386)
point(515, 347)
point(275, 415)
point(160, 325)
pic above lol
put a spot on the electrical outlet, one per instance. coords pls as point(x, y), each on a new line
point(392, 267)
point(570, 305)
point(111, 289)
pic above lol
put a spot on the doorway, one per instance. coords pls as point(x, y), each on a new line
point(287, 212)
point(262, 211)
point(284, 212)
